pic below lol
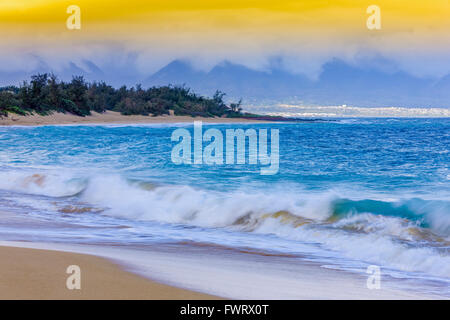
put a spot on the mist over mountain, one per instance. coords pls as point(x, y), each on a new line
point(114, 75)
point(374, 83)
point(339, 83)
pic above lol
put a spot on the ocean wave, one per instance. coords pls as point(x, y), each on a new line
point(388, 233)
point(352, 111)
point(42, 183)
point(144, 200)
point(407, 234)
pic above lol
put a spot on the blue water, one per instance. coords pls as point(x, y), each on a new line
point(349, 192)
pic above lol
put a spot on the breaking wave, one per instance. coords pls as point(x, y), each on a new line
point(352, 111)
point(407, 234)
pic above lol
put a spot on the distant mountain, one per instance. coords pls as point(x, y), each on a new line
point(235, 80)
point(339, 83)
point(177, 72)
point(375, 82)
point(116, 76)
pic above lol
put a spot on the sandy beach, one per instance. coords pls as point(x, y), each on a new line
point(41, 274)
point(38, 271)
point(109, 117)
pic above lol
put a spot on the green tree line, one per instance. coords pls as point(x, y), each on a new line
point(45, 94)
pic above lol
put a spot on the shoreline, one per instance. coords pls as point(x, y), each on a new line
point(111, 117)
point(41, 274)
point(158, 273)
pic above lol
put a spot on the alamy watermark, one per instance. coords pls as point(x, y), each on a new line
point(374, 279)
point(73, 281)
point(374, 20)
point(235, 147)
point(73, 22)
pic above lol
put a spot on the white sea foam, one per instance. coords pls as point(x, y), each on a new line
point(352, 111)
point(295, 215)
point(379, 247)
point(184, 204)
point(41, 183)
point(378, 240)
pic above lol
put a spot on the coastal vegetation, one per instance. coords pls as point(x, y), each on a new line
point(45, 94)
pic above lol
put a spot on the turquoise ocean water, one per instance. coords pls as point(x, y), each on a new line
point(349, 192)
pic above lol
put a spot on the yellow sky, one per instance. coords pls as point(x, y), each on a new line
point(245, 30)
point(431, 13)
point(138, 20)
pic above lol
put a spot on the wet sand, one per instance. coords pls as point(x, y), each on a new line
point(37, 273)
point(41, 274)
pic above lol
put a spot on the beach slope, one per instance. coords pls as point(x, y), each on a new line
point(108, 117)
point(41, 274)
